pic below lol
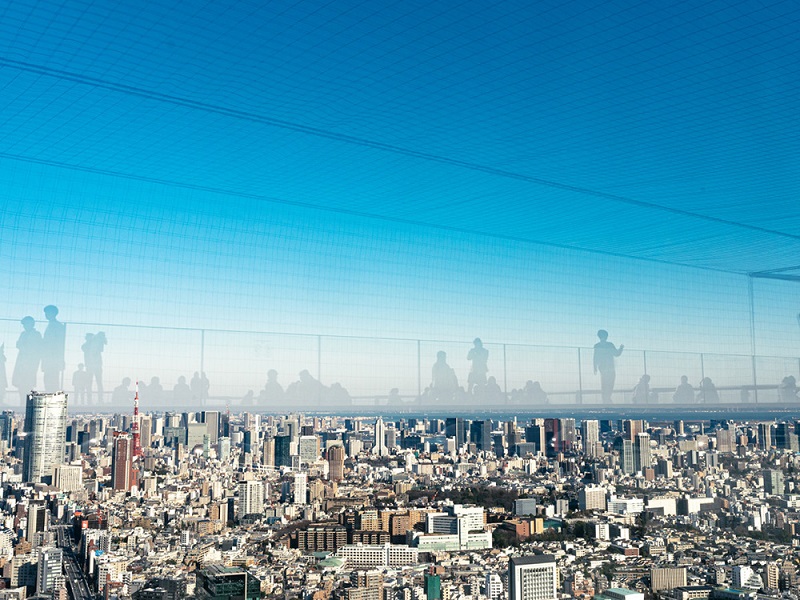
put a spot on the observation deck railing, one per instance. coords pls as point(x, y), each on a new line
point(237, 361)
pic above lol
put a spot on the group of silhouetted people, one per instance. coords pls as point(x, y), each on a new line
point(307, 390)
point(45, 353)
point(35, 353)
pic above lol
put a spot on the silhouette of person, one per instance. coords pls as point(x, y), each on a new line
point(93, 346)
point(122, 393)
point(181, 393)
point(493, 391)
point(196, 386)
point(338, 394)
point(205, 385)
point(684, 393)
point(80, 383)
point(3, 377)
point(444, 382)
point(477, 373)
point(53, 349)
point(604, 354)
point(787, 390)
point(249, 398)
point(29, 355)
point(309, 389)
point(155, 391)
point(273, 391)
point(534, 393)
point(394, 398)
point(708, 392)
point(641, 393)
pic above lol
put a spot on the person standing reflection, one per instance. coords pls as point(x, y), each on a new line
point(479, 356)
point(93, 347)
point(29, 356)
point(53, 350)
point(604, 354)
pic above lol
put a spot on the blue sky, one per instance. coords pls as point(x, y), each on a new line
point(404, 170)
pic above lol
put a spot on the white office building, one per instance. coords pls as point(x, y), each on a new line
point(251, 498)
point(533, 578)
point(46, 431)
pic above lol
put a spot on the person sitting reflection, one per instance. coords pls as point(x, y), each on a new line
point(493, 393)
point(307, 390)
point(684, 393)
point(787, 390)
point(273, 391)
point(155, 391)
point(338, 395)
point(641, 393)
point(196, 386)
point(121, 395)
point(181, 392)
point(444, 382)
point(394, 399)
point(708, 392)
point(534, 394)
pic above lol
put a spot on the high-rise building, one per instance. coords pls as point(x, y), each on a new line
point(300, 488)
point(7, 427)
point(480, 433)
point(773, 482)
point(251, 498)
point(534, 434)
point(625, 449)
point(592, 498)
point(532, 578)
point(68, 478)
point(122, 476)
point(667, 578)
point(567, 434)
point(494, 586)
point(46, 429)
point(726, 440)
point(283, 451)
point(38, 520)
point(772, 575)
point(632, 427)
point(215, 582)
point(146, 431)
point(379, 445)
point(642, 456)
point(454, 428)
point(268, 452)
point(552, 442)
point(336, 457)
point(433, 586)
point(786, 437)
point(49, 573)
point(765, 436)
point(590, 435)
point(309, 449)
point(211, 419)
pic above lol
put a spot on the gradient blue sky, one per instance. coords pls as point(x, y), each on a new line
point(402, 169)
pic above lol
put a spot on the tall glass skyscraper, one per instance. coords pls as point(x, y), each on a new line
point(46, 431)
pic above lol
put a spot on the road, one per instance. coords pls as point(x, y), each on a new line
point(77, 585)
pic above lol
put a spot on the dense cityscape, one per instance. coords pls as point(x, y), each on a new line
point(210, 504)
point(399, 300)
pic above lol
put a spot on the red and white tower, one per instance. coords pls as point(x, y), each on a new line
point(137, 445)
